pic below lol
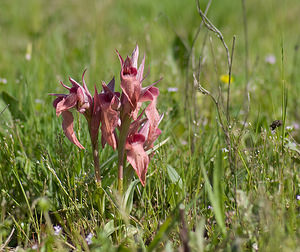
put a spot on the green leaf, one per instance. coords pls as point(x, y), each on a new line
point(215, 201)
point(25, 163)
point(128, 197)
point(5, 116)
point(174, 176)
point(109, 228)
point(13, 106)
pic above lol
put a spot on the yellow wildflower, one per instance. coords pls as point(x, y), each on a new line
point(225, 78)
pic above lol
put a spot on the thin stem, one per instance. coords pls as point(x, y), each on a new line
point(191, 56)
point(96, 161)
point(220, 98)
point(284, 98)
point(229, 81)
point(212, 28)
point(247, 95)
point(120, 170)
point(121, 151)
point(188, 92)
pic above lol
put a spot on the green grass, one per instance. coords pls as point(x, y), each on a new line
point(231, 203)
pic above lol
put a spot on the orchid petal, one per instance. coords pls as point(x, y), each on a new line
point(109, 103)
point(135, 56)
point(109, 119)
point(151, 111)
point(152, 136)
point(120, 58)
point(65, 86)
point(95, 120)
point(145, 129)
point(153, 84)
point(67, 125)
point(131, 87)
point(66, 103)
point(85, 87)
point(137, 156)
point(58, 95)
point(74, 83)
point(135, 125)
point(111, 85)
point(141, 70)
point(58, 99)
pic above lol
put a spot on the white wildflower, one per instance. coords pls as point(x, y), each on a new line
point(289, 128)
point(3, 80)
point(39, 101)
point(255, 246)
point(296, 126)
point(88, 239)
point(57, 230)
point(270, 59)
point(224, 150)
point(172, 89)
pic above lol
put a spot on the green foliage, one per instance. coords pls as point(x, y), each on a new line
point(13, 106)
point(240, 203)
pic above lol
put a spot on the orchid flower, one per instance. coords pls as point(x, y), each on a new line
point(137, 156)
point(116, 112)
point(131, 82)
point(80, 98)
point(137, 143)
point(132, 97)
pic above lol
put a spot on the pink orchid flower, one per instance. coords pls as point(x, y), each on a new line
point(137, 131)
point(138, 142)
point(78, 98)
point(151, 133)
point(131, 82)
point(153, 116)
point(137, 156)
point(132, 98)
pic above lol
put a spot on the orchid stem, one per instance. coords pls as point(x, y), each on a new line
point(96, 161)
point(120, 169)
point(121, 151)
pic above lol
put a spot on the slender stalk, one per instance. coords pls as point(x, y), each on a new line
point(247, 95)
point(229, 80)
point(191, 93)
point(96, 161)
point(121, 150)
point(120, 169)
point(284, 98)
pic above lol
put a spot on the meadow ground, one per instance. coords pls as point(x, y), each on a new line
point(223, 180)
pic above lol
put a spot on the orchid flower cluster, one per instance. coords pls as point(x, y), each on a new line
point(124, 126)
